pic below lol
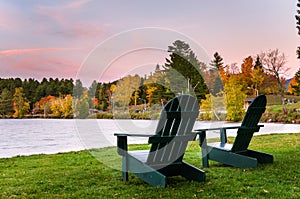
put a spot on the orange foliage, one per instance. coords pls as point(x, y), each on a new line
point(43, 104)
point(224, 74)
point(292, 82)
point(95, 102)
point(246, 68)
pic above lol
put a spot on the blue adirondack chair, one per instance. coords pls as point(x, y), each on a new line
point(237, 154)
point(168, 145)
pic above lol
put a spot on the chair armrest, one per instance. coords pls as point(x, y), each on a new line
point(254, 129)
point(199, 131)
point(223, 135)
point(133, 135)
point(219, 128)
point(122, 144)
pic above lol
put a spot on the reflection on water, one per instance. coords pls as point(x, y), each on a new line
point(36, 136)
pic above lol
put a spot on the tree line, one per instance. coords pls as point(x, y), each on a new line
point(181, 73)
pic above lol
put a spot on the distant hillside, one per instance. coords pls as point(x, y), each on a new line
point(287, 83)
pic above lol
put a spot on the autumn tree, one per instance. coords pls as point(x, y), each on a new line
point(124, 90)
point(257, 78)
point(62, 107)
point(156, 87)
point(274, 63)
point(246, 69)
point(20, 103)
point(206, 107)
point(296, 84)
point(235, 98)
point(44, 105)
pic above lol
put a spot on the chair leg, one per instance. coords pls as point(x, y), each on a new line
point(146, 173)
point(204, 149)
point(124, 168)
point(192, 173)
point(233, 159)
point(204, 157)
point(261, 157)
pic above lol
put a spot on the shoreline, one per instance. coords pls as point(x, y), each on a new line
point(51, 136)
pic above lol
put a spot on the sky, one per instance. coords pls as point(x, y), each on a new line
point(61, 38)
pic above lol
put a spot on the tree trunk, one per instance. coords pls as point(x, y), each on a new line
point(283, 105)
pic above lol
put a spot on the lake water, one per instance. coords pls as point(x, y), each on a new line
point(48, 136)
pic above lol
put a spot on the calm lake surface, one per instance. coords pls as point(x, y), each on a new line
point(48, 136)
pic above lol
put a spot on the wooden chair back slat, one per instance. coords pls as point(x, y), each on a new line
point(251, 119)
point(177, 119)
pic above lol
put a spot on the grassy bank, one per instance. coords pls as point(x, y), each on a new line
point(80, 175)
point(275, 114)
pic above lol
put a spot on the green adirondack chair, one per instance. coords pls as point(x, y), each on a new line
point(237, 154)
point(168, 146)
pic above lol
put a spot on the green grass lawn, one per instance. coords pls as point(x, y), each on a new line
point(81, 175)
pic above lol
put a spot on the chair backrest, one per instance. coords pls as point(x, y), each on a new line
point(251, 119)
point(173, 130)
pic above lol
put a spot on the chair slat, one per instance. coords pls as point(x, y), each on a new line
point(177, 119)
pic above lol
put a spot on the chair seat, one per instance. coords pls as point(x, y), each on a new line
point(141, 155)
point(219, 145)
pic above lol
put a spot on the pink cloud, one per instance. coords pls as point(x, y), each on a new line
point(76, 4)
point(39, 65)
point(65, 21)
point(32, 50)
point(58, 13)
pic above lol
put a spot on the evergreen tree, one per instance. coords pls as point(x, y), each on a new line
point(6, 107)
point(82, 106)
point(258, 63)
point(93, 89)
point(30, 87)
point(296, 85)
point(216, 84)
point(298, 25)
point(217, 62)
point(78, 89)
point(183, 71)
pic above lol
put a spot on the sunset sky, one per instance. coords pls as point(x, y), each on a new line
point(54, 38)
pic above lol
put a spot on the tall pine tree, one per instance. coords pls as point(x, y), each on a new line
point(216, 84)
point(183, 70)
point(217, 62)
point(298, 25)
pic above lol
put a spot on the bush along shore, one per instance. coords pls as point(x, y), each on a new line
point(292, 116)
point(273, 113)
